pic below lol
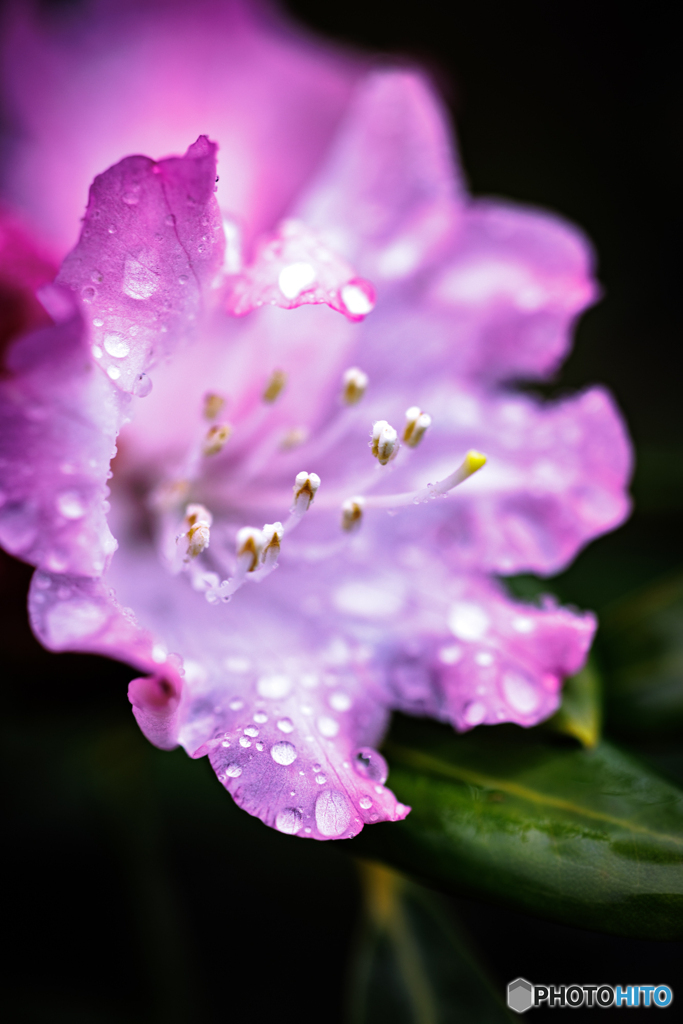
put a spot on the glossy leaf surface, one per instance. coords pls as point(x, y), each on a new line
point(587, 837)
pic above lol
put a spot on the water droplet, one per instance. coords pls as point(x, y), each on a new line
point(114, 372)
point(260, 717)
point(332, 812)
point(88, 293)
point(285, 725)
point(233, 771)
point(244, 742)
point(182, 279)
point(321, 779)
point(130, 198)
point(97, 276)
point(274, 687)
point(169, 220)
point(327, 726)
point(365, 802)
point(283, 752)
point(236, 704)
point(116, 345)
point(111, 229)
point(340, 701)
point(142, 385)
point(370, 764)
point(98, 322)
point(317, 767)
point(97, 352)
point(70, 505)
point(251, 730)
point(259, 745)
point(225, 743)
point(289, 820)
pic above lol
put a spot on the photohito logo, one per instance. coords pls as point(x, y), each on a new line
point(522, 995)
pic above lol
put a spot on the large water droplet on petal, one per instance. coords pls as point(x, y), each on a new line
point(332, 812)
point(116, 345)
point(142, 385)
point(70, 505)
point(370, 764)
point(233, 771)
point(283, 752)
point(289, 820)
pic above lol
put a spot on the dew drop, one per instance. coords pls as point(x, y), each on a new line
point(365, 802)
point(169, 220)
point(370, 764)
point(321, 779)
point(111, 229)
point(244, 742)
point(259, 746)
point(182, 279)
point(130, 198)
point(88, 293)
point(233, 771)
point(260, 717)
point(236, 705)
point(285, 725)
point(251, 730)
point(283, 752)
point(98, 322)
point(289, 820)
point(97, 276)
point(97, 352)
point(70, 505)
point(116, 345)
point(142, 385)
point(113, 372)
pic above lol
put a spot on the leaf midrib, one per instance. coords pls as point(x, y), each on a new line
point(416, 759)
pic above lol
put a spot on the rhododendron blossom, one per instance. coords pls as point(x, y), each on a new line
point(298, 532)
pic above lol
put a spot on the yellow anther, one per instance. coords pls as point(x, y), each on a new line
point(293, 438)
point(215, 440)
point(384, 442)
point(417, 424)
point(305, 488)
point(213, 404)
point(250, 543)
point(198, 521)
point(275, 386)
point(473, 461)
point(272, 538)
point(354, 385)
point(352, 514)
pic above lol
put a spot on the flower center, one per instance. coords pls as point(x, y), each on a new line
point(205, 512)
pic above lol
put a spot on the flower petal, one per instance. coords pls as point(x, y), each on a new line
point(151, 243)
point(144, 77)
point(503, 661)
point(59, 416)
point(294, 268)
point(389, 194)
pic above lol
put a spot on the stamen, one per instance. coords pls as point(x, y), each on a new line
point(213, 404)
point(293, 438)
point(417, 424)
point(305, 489)
point(250, 543)
point(352, 514)
point(275, 386)
point(471, 463)
point(215, 440)
point(355, 384)
point(384, 442)
point(272, 536)
point(197, 533)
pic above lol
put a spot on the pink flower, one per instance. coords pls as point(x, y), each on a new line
point(294, 541)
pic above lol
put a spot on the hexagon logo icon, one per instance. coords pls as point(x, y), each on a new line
point(520, 995)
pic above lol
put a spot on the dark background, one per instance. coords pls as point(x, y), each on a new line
point(135, 890)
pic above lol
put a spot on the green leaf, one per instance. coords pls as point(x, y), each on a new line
point(580, 714)
point(641, 643)
point(413, 965)
point(587, 837)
